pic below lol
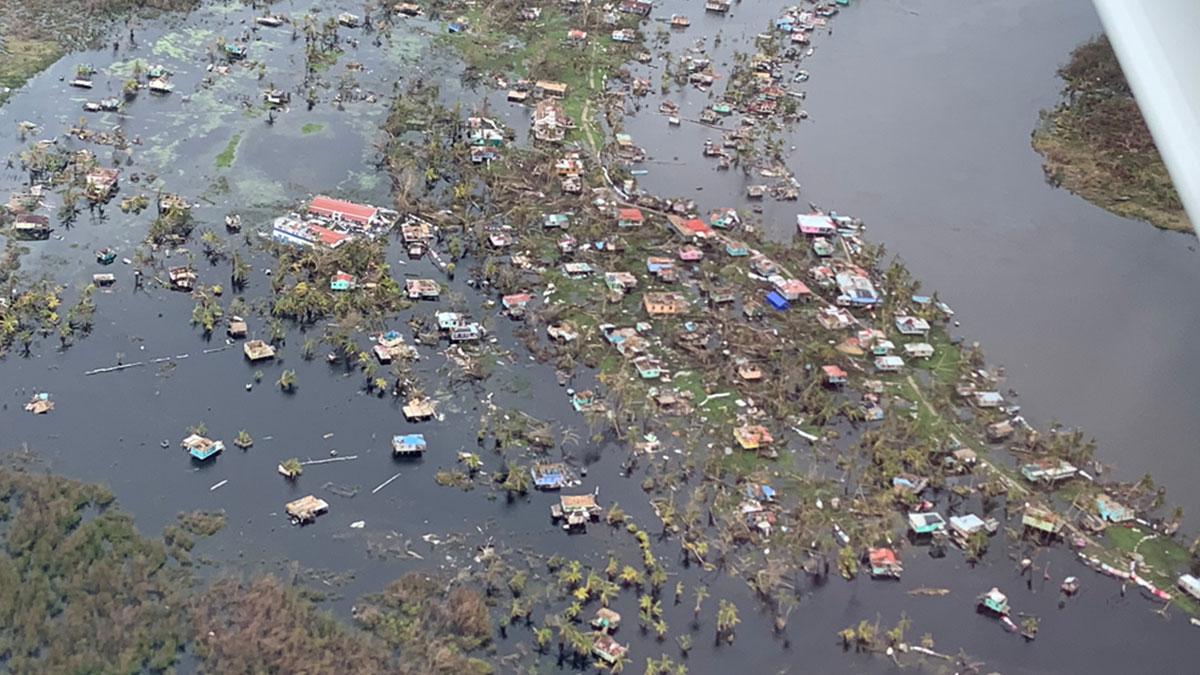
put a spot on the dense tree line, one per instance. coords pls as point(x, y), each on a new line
point(81, 591)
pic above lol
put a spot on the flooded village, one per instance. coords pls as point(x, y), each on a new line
point(517, 338)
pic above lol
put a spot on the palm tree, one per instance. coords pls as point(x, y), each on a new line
point(516, 482)
point(571, 574)
point(472, 461)
point(631, 576)
point(701, 594)
point(369, 368)
point(608, 591)
point(727, 618)
point(287, 380)
point(243, 439)
point(292, 468)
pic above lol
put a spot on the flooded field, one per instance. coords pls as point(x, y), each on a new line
point(919, 119)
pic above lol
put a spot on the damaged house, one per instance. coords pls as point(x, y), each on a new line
point(550, 121)
point(664, 304)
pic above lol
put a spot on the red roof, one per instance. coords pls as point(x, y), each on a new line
point(344, 276)
point(793, 286)
point(327, 235)
point(629, 214)
point(696, 225)
point(339, 208)
point(833, 371)
point(516, 299)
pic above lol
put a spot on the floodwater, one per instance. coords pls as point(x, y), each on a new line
point(975, 221)
point(920, 115)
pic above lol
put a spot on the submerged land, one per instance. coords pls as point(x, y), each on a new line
point(723, 423)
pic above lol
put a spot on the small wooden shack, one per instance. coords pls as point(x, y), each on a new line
point(183, 278)
point(606, 620)
point(418, 409)
point(257, 350)
point(237, 327)
point(577, 510)
point(306, 509)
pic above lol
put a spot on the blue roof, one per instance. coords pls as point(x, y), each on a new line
point(410, 439)
point(777, 301)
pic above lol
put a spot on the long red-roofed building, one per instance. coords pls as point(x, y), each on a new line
point(342, 209)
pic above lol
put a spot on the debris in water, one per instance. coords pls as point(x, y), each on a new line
point(40, 404)
point(385, 483)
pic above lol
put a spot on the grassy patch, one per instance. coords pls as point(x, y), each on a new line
point(225, 158)
point(311, 128)
point(1164, 559)
point(24, 59)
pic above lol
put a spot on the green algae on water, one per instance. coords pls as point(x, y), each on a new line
point(225, 158)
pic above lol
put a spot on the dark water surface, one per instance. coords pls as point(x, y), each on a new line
point(920, 120)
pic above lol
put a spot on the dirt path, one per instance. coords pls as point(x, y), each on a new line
point(586, 121)
point(1011, 484)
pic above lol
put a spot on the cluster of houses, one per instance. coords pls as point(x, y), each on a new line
point(329, 223)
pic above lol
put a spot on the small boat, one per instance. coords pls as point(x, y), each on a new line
point(112, 103)
point(272, 21)
point(92, 107)
point(822, 247)
point(680, 21)
point(233, 222)
point(81, 83)
point(673, 121)
point(106, 256)
point(348, 20)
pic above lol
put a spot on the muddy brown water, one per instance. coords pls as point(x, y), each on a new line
point(920, 120)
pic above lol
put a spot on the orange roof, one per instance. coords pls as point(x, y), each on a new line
point(754, 434)
point(882, 555)
point(696, 225)
point(629, 214)
point(833, 371)
point(327, 206)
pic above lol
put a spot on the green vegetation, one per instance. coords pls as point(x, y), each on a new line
point(24, 58)
point(39, 32)
point(311, 128)
point(225, 157)
point(68, 555)
point(1096, 143)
